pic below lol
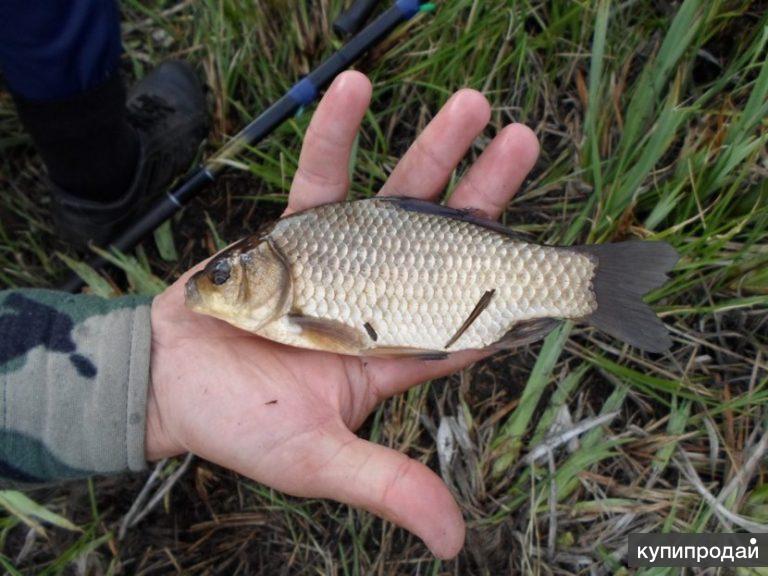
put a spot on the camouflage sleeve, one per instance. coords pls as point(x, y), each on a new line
point(74, 372)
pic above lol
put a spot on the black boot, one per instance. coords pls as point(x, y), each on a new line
point(167, 110)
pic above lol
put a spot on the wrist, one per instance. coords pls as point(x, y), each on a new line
point(157, 442)
point(160, 441)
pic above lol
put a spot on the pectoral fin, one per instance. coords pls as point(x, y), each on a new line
point(330, 335)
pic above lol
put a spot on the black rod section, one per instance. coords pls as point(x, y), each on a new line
point(352, 19)
point(303, 93)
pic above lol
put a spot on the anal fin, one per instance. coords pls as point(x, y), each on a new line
point(526, 332)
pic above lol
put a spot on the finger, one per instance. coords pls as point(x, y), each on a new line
point(394, 487)
point(498, 173)
point(388, 377)
point(426, 167)
point(323, 172)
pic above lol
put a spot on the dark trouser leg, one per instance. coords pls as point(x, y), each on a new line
point(60, 59)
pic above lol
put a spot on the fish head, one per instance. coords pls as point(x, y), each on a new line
point(247, 284)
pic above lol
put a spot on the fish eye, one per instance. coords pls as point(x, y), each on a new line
point(220, 272)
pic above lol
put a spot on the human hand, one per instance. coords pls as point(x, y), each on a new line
point(285, 416)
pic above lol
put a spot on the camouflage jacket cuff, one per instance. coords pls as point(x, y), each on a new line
point(74, 372)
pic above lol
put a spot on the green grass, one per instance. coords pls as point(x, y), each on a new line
point(652, 118)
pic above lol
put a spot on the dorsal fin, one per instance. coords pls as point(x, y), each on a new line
point(470, 215)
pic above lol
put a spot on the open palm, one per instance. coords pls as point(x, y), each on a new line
point(284, 416)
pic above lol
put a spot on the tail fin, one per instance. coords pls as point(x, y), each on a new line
point(625, 272)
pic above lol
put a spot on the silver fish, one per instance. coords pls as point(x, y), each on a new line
point(394, 276)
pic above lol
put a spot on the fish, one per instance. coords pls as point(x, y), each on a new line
point(395, 276)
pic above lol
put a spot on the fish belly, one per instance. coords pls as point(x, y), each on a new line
point(410, 280)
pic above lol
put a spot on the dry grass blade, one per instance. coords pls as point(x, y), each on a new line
point(725, 515)
point(550, 443)
point(139, 510)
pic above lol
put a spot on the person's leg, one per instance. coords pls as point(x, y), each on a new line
point(60, 60)
point(106, 155)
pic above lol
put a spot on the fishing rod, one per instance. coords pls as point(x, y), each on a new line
point(351, 20)
point(300, 95)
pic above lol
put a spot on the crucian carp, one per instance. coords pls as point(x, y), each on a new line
point(392, 276)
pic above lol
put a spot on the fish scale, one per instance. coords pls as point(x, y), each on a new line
point(415, 277)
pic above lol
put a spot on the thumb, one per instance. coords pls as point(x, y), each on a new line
point(395, 487)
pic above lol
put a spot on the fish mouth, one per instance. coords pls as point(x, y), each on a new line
point(192, 297)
